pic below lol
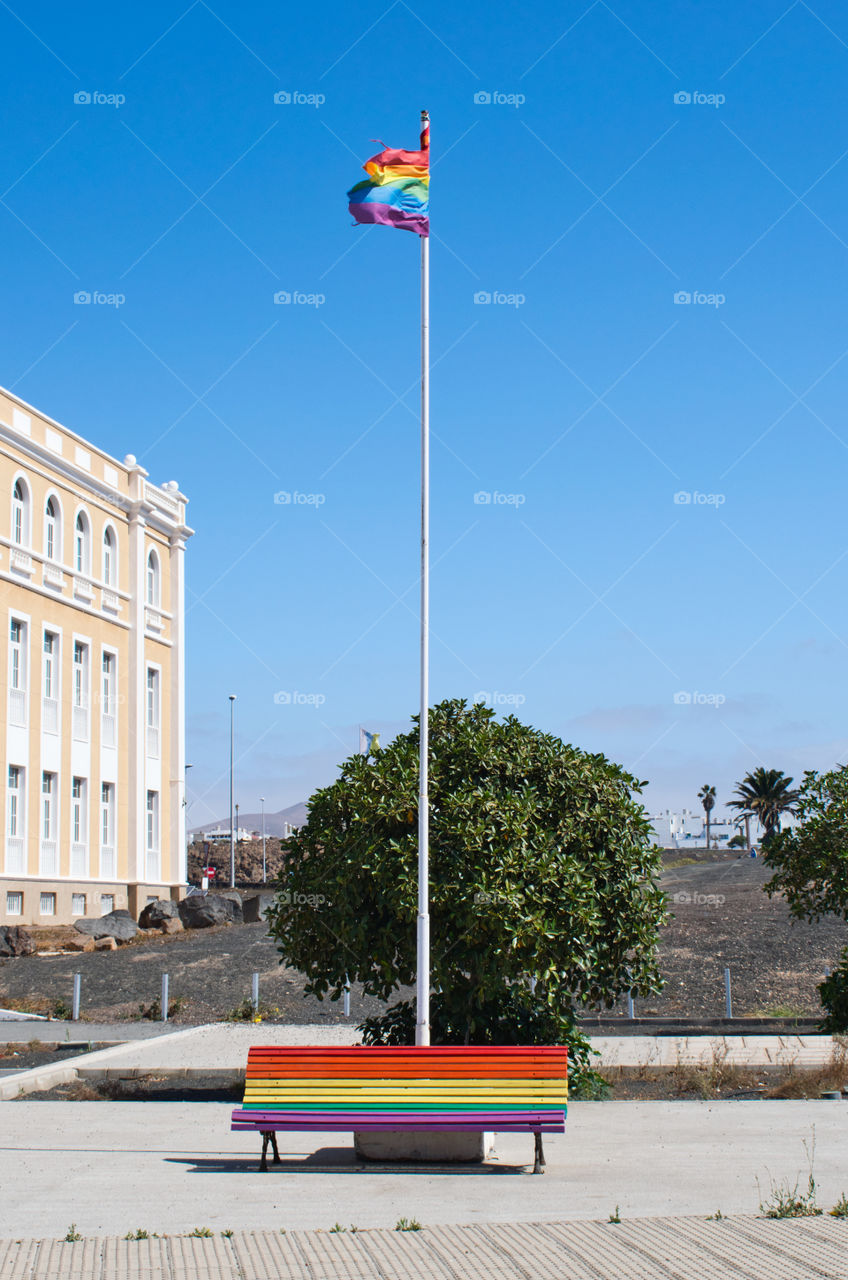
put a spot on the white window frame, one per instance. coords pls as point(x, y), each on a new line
point(17, 654)
point(82, 543)
point(152, 809)
point(79, 810)
point(50, 665)
point(53, 529)
point(47, 904)
point(49, 795)
point(110, 557)
point(153, 590)
point(153, 709)
point(108, 811)
point(75, 903)
point(14, 902)
point(81, 688)
point(21, 509)
point(16, 808)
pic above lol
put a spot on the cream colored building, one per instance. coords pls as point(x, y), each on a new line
point(93, 676)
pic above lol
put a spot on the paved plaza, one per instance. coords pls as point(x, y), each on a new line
point(654, 1249)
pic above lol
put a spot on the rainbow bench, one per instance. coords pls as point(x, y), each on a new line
point(440, 1089)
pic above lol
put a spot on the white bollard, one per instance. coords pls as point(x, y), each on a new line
point(631, 1013)
point(346, 997)
point(255, 993)
point(728, 1002)
point(165, 999)
point(75, 1011)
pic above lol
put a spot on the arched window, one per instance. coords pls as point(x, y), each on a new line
point(153, 584)
point(20, 514)
point(82, 544)
point(110, 563)
point(52, 530)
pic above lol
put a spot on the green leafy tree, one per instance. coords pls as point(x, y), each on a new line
point(707, 797)
point(810, 865)
point(765, 794)
point(544, 894)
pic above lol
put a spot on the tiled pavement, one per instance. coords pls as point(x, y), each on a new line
point(739, 1248)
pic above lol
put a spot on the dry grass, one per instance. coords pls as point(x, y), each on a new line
point(719, 1078)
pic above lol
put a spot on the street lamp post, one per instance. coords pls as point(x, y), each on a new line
point(264, 872)
point(232, 833)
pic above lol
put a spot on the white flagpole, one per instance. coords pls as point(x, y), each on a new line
point(422, 1029)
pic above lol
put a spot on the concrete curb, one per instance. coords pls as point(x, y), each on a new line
point(39, 1078)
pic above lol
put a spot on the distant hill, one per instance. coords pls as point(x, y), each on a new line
point(295, 815)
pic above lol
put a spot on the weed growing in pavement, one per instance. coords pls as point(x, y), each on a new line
point(718, 1216)
point(228, 1234)
point(72, 1235)
point(245, 1012)
point(202, 1233)
point(787, 1202)
point(153, 1012)
point(141, 1234)
point(407, 1224)
point(840, 1209)
point(615, 1217)
point(338, 1227)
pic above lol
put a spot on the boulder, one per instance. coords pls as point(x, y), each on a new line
point(15, 941)
point(155, 912)
point(82, 942)
point(104, 944)
point(256, 908)
point(202, 912)
point(117, 924)
point(171, 926)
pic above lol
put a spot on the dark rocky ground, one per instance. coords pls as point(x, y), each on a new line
point(721, 917)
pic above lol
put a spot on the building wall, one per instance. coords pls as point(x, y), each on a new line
point(95, 729)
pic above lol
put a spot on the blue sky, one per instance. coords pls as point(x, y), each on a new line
point(590, 163)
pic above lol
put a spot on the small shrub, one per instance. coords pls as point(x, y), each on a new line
point(718, 1216)
point(61, 1011)
point(840, 1209)
point(338, 1227)
point(787, 1202)
point(834, 997)
point(407, 1224)
point(139, 1234)
point(245, 1012)
point(202, 1233)
point(153, 1012)
point(72, 1235)
point(228, 1234)
point(616, 1216)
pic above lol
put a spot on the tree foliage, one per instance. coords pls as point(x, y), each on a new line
point(541, 867)
point(810, 865)
point(810, 861)
point(765, 794)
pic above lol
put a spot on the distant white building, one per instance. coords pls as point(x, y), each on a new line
point(688, 829)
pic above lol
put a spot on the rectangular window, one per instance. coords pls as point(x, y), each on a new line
point(80, 692)
point(80, 674)
point(107, 814)
point(107, 903)
point(153, 821)
point(51, 645)
point(48, 806)
point(78, 809)
point(17, 654)
point(47, 905)
point(14, 904)
point(108, 684)
point(16, 783)
point(153, 712)
point(77, 904)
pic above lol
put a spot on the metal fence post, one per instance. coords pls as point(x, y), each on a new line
point(165, 999)
point(255, 993)
point(631, 1013)
point(728, 1002)
point(75, 1011)
point(346, 997)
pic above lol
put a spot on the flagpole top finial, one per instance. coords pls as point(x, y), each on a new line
point(425, 115)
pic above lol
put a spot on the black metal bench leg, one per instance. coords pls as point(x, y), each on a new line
point(539, 1164)
point(273, 1137)
point(263, 1164)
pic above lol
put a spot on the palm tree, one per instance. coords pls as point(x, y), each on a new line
point(707, 797)
point(765, 794)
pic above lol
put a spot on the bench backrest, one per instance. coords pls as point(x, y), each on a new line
point(512, 1083)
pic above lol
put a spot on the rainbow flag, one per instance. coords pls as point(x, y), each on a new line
point(397, 190)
